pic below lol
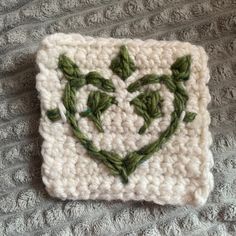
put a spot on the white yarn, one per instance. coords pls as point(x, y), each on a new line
point(177, 174)
point(62, 111)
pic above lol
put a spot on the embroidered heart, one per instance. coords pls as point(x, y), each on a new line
point(148, 104)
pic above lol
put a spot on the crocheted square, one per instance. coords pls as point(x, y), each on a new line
point(124, 119)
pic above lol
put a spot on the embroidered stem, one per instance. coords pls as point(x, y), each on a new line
point(96, 119)
point(110, 159)
point(145, 80)
point(69, 98)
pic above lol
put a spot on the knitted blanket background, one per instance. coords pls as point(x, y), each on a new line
point(25, 207)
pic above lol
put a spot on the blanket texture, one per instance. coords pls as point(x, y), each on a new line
point(25, 207)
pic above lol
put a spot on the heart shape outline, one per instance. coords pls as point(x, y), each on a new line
point(113, 161)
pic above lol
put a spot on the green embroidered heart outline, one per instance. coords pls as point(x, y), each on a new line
point(147, 104)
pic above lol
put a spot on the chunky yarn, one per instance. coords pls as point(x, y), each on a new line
point(124, 108)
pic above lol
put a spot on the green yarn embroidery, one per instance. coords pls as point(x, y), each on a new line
point(181, 68)
point(147, 104)
point(69, 68)
point(123, 65)
point(69, 98)
point(189, 117)
point(98, 81)
point(98, 102)
point(53, 114)
point(77, 80)
point(145, 80)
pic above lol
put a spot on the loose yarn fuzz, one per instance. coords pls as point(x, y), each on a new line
point(179, 173)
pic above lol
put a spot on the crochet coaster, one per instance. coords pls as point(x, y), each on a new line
point(124, 119)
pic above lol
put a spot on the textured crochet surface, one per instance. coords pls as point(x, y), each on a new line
point(178, 173)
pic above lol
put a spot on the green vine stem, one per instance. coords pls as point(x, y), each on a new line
point(113, 161)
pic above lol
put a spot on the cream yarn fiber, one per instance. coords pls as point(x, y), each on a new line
point(179, 173)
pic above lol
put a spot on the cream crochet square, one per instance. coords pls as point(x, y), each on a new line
point(178, 173)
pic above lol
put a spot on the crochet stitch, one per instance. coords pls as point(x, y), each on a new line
point(159, 99)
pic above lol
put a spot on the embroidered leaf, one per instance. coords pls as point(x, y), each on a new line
point(97, 103)
point(53, 114)
point(98, 81)
point(146, 80)
point(181, 68)
point(68, 67)
point(123, 65)
point(189, 116)
point(148, 105)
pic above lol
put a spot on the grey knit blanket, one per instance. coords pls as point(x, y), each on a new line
point(25, 207)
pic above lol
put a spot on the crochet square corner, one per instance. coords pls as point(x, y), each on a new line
point(124, 119)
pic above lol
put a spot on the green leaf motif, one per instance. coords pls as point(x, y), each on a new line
point(148, 105)
point(68, 67)
point(97, 103)
point(181, 68)
point(98, 81)
point(53, 114)
point(122, 65)
point(189, 116)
